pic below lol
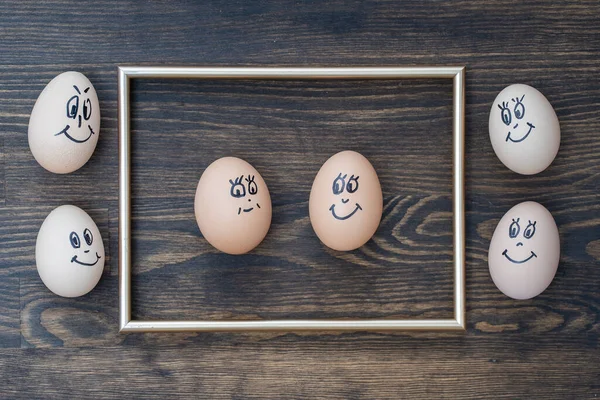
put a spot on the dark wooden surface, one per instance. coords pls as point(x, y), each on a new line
point(546, 347)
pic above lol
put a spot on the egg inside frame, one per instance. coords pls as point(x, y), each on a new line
point(456, 73)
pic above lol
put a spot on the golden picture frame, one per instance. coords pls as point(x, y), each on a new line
point(456, 73)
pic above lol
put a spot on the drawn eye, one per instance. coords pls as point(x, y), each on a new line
point(87, 235)
point(237, 188)
point(74, 240)
point(352, 184)
point(87, 109)
point(339, 183)
point(506, 117)
point(73, 107)
point(514, 229)
point(530, 230)
point(252, 188)
point(519, 110)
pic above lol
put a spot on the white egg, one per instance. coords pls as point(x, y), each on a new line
point(524, 251)
point(524, 129)
point(69, 252)
point(65, 123)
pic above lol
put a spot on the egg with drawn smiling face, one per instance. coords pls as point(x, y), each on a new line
point(346, 201)
point(65, 123)
point(232, 206)
point(524, 251)
point(524, 129)
point(69, 252)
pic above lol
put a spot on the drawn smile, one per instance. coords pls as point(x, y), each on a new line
point(74, 259)
point(332, 209)
point(505, 254)
point(66, 133)
point(523, 138)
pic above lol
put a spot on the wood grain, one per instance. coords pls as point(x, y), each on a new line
point(547, 347)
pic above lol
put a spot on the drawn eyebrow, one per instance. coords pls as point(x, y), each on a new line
point(85, 91)
point(76, 88)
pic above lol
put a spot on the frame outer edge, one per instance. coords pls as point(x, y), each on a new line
point(124, 202)
point(459, 199)
point(126, 73)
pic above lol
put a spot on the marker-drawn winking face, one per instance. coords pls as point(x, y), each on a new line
point(345, 189)
point(79, 109)
point(522, 252)
point(238, 191)
point(512, 114)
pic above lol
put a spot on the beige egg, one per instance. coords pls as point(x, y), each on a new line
point(524, 129)
point(524, 251)
point(232, 206)
point(69, 252)
point(65, 123)
point(345, 202)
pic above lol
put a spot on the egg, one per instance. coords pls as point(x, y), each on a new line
point(524, 129)
point(346, 201)
point(65, 123)
point(69, 252)
point(232, 206)
point(524, 251)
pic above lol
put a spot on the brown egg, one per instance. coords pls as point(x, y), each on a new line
point(233, 206)
point(345, 202)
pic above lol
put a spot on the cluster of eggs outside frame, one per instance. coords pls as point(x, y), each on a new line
point(233, 206)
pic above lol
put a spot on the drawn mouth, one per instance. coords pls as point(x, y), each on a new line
point(74, 259)
point(240, 209)
point(66, 133)
point(505, 254)
point(332, 209)
point(523, 138)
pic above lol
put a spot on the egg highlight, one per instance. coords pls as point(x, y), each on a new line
point(524, 251)
point(346, 201)
point(69, 252)
point(65, 123)
point(232, 206)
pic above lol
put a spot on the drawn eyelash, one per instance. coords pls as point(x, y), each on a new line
point(503, 106)
point(237, 181)
point(249, 179)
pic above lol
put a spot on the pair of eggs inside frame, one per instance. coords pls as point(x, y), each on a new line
point(233, 204)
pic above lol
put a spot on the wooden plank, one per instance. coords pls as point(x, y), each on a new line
point(349, 366)
point(48, 320)
point(10, 335)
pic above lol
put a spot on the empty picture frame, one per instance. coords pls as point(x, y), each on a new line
point(127, 73)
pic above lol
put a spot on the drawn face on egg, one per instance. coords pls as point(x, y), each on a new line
point(522, 251)
point(524, 129)
point(84, 254)
point(512, 114)
point(344, 189)
point(78, 113)
point(246, 190)
point(232, 206)
point(69, 252)
point(346, 202)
